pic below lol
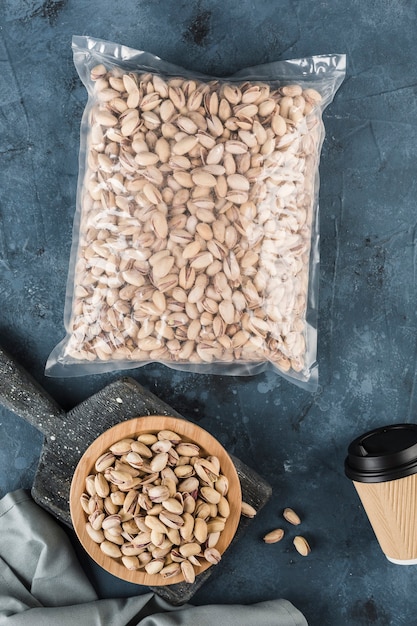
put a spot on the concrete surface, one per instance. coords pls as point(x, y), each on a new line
point(367, 330)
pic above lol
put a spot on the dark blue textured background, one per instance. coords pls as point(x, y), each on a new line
point(367, 327)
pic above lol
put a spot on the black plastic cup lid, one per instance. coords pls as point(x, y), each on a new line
point(383, 454)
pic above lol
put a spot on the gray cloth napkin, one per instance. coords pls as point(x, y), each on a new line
point(43, 584)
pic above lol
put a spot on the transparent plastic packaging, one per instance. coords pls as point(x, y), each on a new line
point(196, 240)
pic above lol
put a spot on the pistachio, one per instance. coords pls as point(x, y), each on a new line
point(141, 540)
point(173, 506)
point(274, 536)
point(216, 525)
point(312, 96)
point(96, 535)
point(212, 539)
point(130, 502)
point(171, 520)
point(223, 507)
point(188, 485)
point(102, 487)
point(238, 182)
point(247, 510)
point(222, 485)
point(188, 449)
point(154, 523)
point(118, 477)
point(185, 145)
point(159, 493)
point(170, 570)
point(188, 571)
point(200, 530)
point(84, 501)
point(111, 521)
point(134, 459)
point(121, 447)
point(210, 495)
point(207, 472)
point(141, 448)
point(291, 516)
point(105, 118)
point(128, 549)
point(130, 562)
point(98, 72)
point(301, 545)
point(110, 549)
point(190, 549)
point(154, 566)
point(157, 464)
point(212, 555)
point(186, 530)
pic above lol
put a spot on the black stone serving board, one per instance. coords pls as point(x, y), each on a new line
point(68, 434)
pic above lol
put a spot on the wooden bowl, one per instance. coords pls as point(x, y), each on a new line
point(130, 429)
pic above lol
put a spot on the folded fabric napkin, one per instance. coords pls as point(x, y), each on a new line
point(43, 584)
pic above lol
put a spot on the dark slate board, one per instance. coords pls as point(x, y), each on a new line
point(68, 435)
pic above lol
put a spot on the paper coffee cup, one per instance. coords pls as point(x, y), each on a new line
point(382, 464)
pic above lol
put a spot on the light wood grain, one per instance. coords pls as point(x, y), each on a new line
point(132, 428)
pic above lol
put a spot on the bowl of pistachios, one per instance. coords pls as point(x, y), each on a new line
point(155, 500)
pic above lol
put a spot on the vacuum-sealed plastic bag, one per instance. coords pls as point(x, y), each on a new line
point(196, 230)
